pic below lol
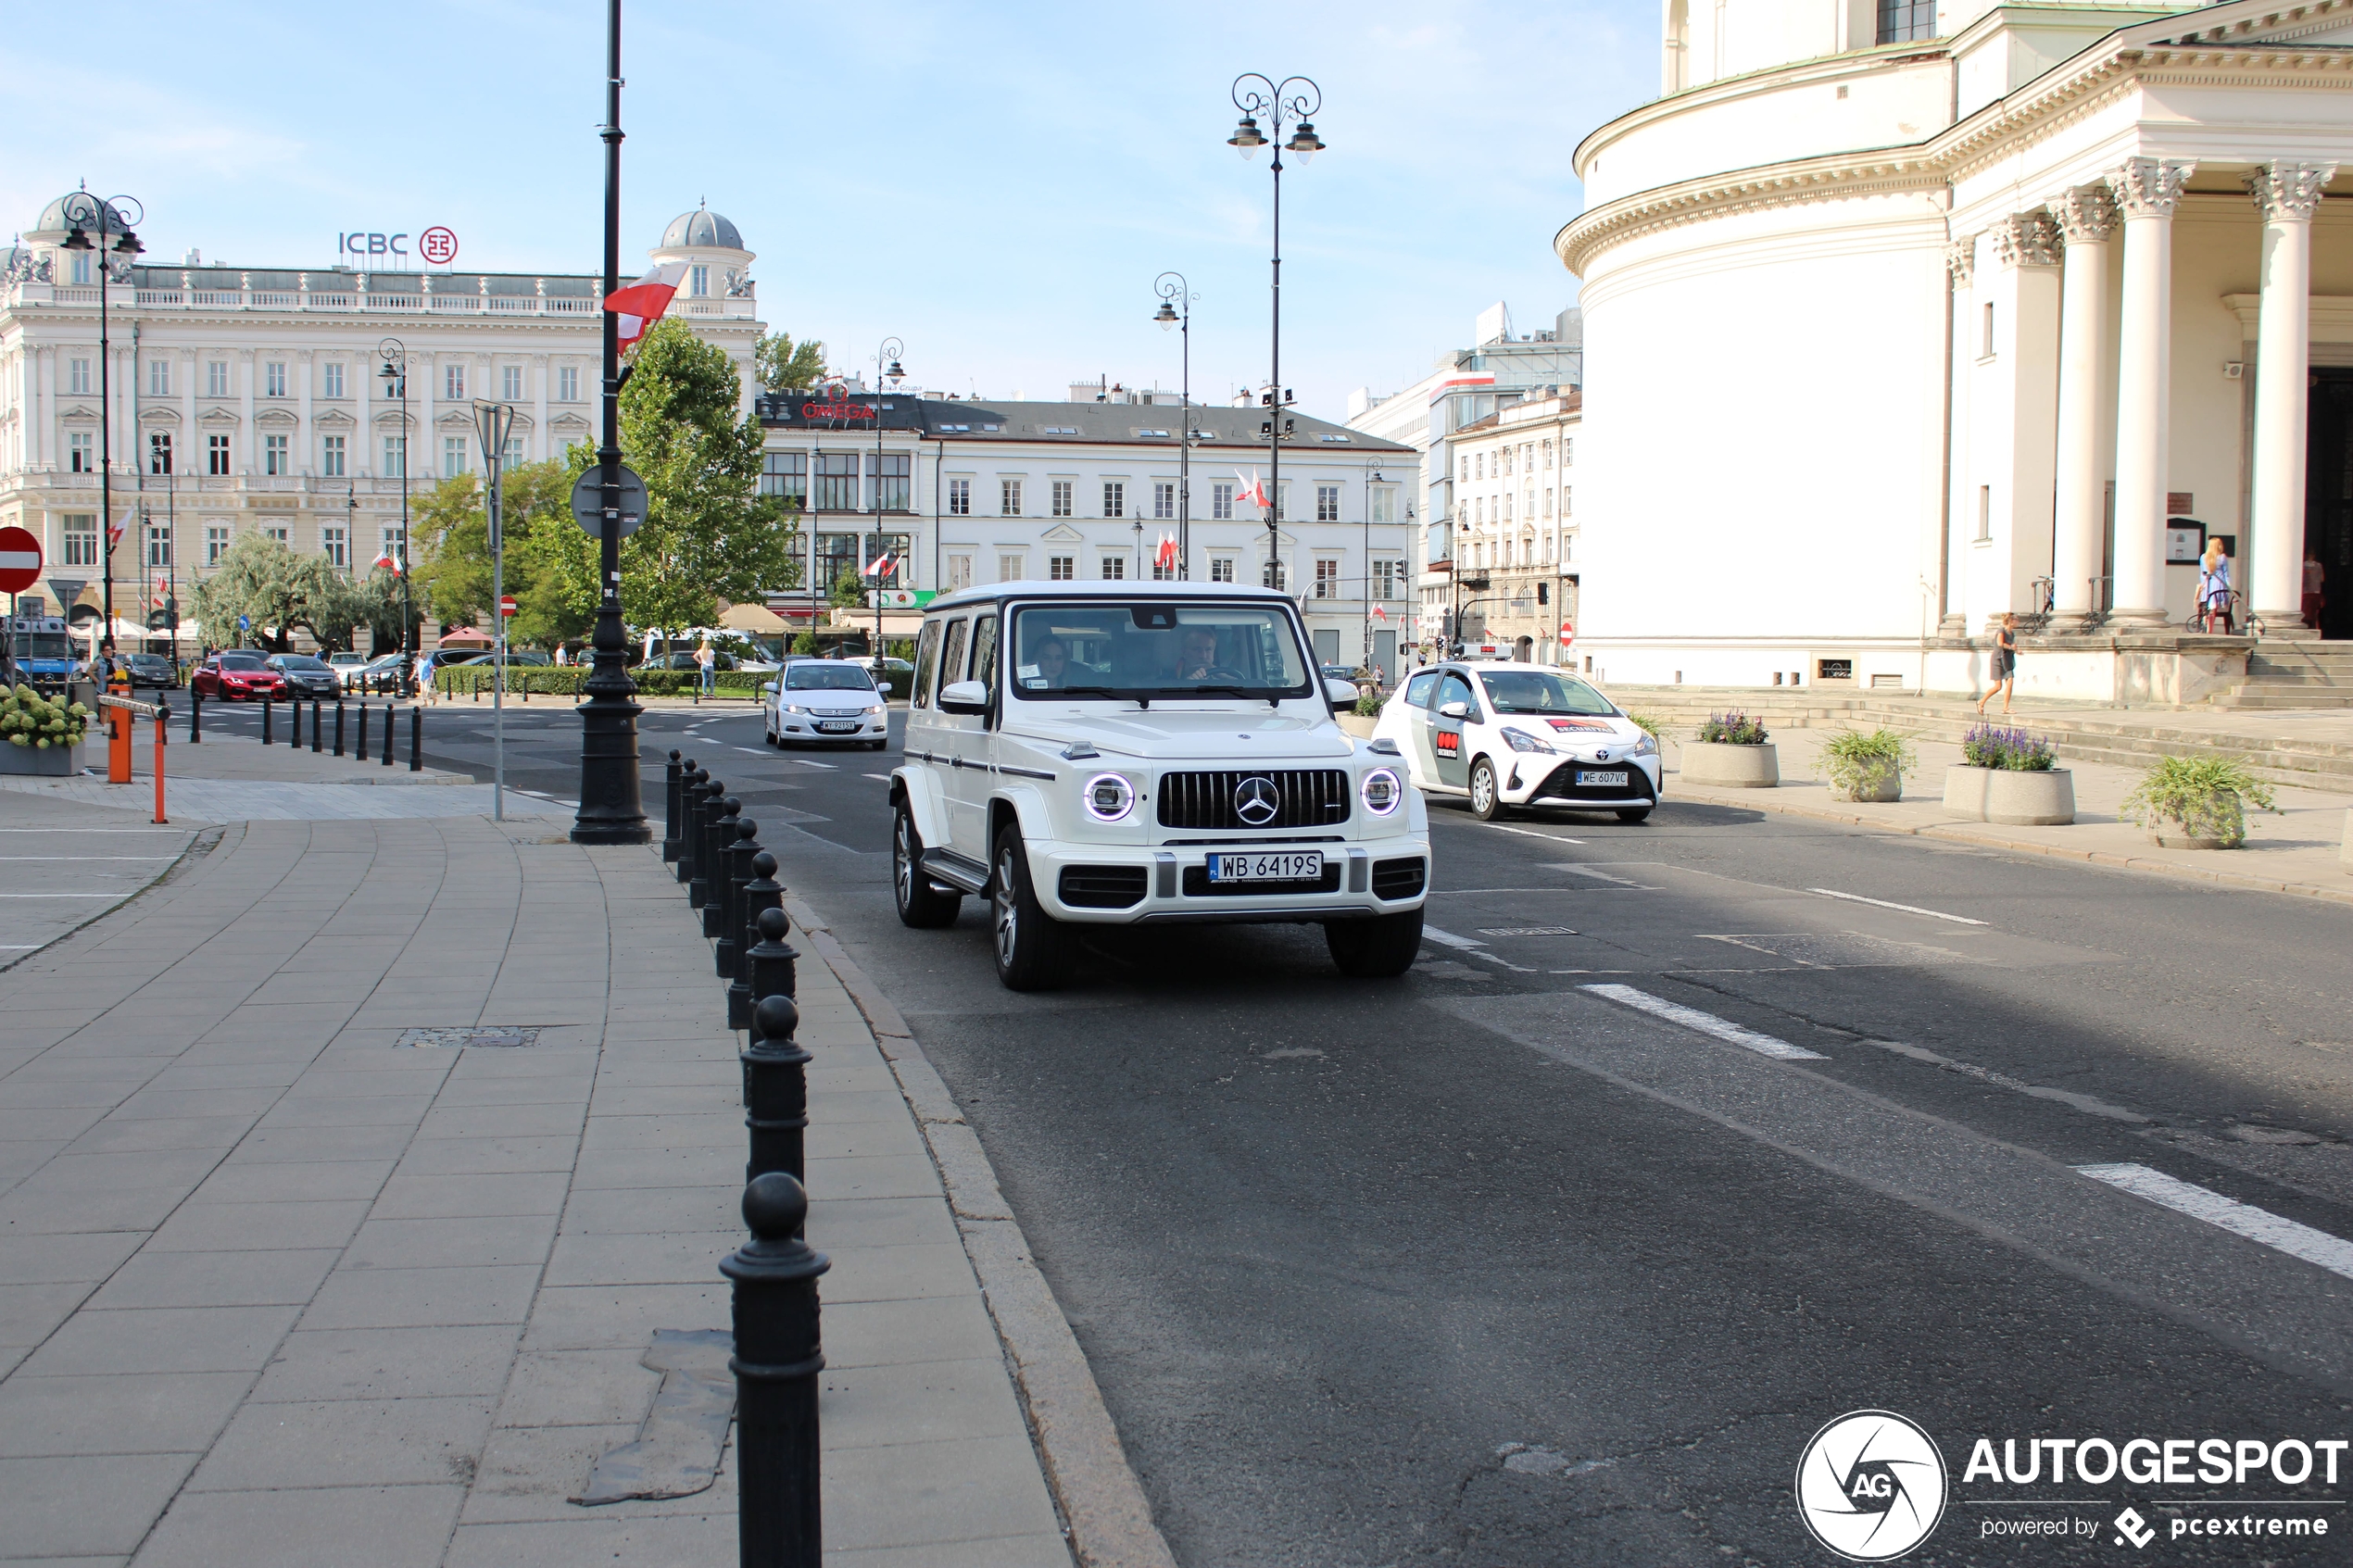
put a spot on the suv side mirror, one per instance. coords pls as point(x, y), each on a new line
point(969, 697)
point(1453, 710)
point(1341, 695)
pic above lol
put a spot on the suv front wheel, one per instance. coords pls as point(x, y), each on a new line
point(921, 905)
point(1028, 944)
point(1379, 949)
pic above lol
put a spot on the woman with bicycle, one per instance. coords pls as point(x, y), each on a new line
point(2214, 587)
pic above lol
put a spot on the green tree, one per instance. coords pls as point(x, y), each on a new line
point(849, 590)
point(706, 535)
point(452, 535)
point(782, 363)
point(278, 591)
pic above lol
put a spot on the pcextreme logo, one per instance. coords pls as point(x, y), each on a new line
point(1870, 1486)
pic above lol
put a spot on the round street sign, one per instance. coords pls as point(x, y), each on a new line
point(587, 503)
point(19, 560)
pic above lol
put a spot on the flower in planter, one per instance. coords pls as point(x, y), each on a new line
point(2205, 796)
point(1860, 763)
point(1991, 746)
point(1735, 728)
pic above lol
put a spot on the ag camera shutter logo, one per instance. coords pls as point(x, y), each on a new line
point(1871, 1485)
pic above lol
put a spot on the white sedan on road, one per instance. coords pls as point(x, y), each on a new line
point(826, 700)
point(1505, 735)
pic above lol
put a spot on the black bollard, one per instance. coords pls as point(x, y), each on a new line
point(265, 720)
point(722, 848)
point(317, 744)
point(768, 961)
point(670, 813)
point(775, 1091)
point(195, 716)
point(362, 752)
point(416, 738)
point(387, 757)
point(727, 954)
point(689, 796)
point(338, 726)
point(708, 794)
point(779, 1518)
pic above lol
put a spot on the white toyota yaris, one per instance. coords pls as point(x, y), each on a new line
point(1505, 735)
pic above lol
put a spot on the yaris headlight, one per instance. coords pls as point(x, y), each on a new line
point(1520, 740)
point(1109, 797)
point(1646, 745)
point(1382, 792)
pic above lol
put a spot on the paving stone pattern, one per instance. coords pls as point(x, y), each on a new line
point(276, 1289)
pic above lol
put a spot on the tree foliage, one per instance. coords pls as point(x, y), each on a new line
point(278, 591)
point(782, 363)
point(452, 536)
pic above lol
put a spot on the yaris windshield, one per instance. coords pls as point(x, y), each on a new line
point(1540, 692)
point(1157, 649)
point(829, 677)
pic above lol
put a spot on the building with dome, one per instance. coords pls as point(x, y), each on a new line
point(1900, 317)
point(245, 399)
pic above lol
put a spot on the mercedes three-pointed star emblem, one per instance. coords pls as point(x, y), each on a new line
point(1256, 800)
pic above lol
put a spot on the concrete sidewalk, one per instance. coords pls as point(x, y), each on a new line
point(285, 1281)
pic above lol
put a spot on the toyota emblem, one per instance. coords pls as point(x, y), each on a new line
point(1602, 756)
point(1256, 800)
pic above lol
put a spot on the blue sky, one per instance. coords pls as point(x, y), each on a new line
point(997, 186)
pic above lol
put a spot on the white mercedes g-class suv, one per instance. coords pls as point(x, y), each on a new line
point(1126, 753)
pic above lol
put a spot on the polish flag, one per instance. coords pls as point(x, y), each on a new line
point(1379, 614)
point(641, 303)
point(114, 535)
point(385, 560)
point(882, 566)
point(1254, 489)
point(155, 600)
point(1166, 558)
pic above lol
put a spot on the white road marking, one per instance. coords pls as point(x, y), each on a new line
point(1908, 908)
point(1597, 877)
point(882, 778)
point(829, 767)
point(1531, 832)
point(2276, 1230)
point(1448, 939)
point(2002, 1080)
point(1526, 931)
point(751, 750)
point(1704, 1022)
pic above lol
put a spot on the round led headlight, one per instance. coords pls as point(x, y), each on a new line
point(1109, 797)
point(1382, 791)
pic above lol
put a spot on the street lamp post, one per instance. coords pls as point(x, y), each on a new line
point(82, 213)
point(395, 378)
point(612, 794)
point(1173, 292)
point(1372, 477)
point(1295, 98)
point(886, 368)
point(492, 421)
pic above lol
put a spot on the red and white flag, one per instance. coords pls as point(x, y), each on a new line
point(384, 559)
point(1253, 489)
point(641, 303)
point(881, 566)
point(1379, 614)
point(114, 535)
point(1166, 558)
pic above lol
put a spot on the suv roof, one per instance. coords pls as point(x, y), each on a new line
point(1108, 588)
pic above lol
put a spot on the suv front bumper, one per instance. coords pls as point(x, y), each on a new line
point(1097, 885)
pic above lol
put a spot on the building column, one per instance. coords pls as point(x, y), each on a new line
point(2147, 191)
point(1960, 262)
point(2087, 217)
point(2272, 566)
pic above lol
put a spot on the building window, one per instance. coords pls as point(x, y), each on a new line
point(216, 378)
point(837, 483)
point(337, 547)
point(960, 573)
point(786, 475)
point(215, 543)
point(1221, 504)
point(1009, 497)
point(331, 379)
point(1163, 573)
point(158, 452)
point(273, 378)
point(80, 454)
point(159, 377)
point(1565, 492)
point(1327, 578)
point(159, 545)
point(568, 384)
point(510, 456)
point(1984, 513)
point(1479, 467)
point(1389, 578)
point(1988, 349)
point(959, 498)
point(395, 457)
point(510, 383)
point(1270, 575)
point(453, 456)
point(1061, 497)
point(216, 456)
point(1061, 568)
point(331, 456)
point(1114, 499)
point(1114, 568)
point(1901, 21)
point(81, 538)
point(453, 381)
point(1328, 503)
point(699, 285)
point(389, 543)
point(82, 269)
point(1569, 450)
point(273, 456)
point(1163, 499)
point(893, 476)
point(1548, 503)
point(276, 530)
point(1009, 568)
point(1221, 569)
point(1384, 503)
point(836, 553)
point(78, 377)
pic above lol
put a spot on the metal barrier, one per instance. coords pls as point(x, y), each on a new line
point(129, 708)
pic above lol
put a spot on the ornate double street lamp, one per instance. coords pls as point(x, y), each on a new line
point(1295, 98)
point(103, 226)
point(887, 368)
point(395, 378)
point(611, 795)
point(1173, 292)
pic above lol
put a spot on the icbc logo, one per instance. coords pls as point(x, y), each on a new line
point(437, 245)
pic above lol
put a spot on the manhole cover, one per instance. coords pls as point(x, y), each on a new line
point(452, 1039)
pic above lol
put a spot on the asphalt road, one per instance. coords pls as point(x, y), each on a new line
point(1488, 1266)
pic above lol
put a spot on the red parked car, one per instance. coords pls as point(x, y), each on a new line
point(238, 672)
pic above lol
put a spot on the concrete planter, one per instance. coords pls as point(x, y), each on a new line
point(1720, 766)
point(1889, 787)
point(2011, 796)
point(58, 762)
point(2172, 832)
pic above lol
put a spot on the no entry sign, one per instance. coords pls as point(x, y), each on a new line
point(506, 605)
point(19, 560)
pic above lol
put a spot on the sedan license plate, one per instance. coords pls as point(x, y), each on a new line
point(1289, 865)
point(836, 726)
point(1614, 778)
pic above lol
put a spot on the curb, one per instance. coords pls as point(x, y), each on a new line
point(1110, 1518)
point(1970, 833)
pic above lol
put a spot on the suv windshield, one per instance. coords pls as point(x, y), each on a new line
point(829, 676)
point(1538, 691)
point(1157, 649)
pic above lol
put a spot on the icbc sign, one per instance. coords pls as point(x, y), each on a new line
point(437, 245)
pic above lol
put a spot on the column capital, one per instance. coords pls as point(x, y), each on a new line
point(2149, 187)
point(1960, 259)
point(2027, 239)
point(2087, 215)
point(2286, 192)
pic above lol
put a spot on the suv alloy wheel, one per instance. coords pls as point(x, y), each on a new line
point(920, 904)
point(1026, 942)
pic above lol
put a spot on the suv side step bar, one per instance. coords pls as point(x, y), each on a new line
point(946, 865)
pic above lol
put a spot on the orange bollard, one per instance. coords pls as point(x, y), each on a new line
point(161, 716)
point(118, 746)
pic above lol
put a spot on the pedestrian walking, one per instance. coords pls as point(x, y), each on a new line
point(707, 661)
point(2214, 587)
point(2004, 669)
point(2316, 582)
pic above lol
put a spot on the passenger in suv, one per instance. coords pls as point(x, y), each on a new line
point(1143, 753)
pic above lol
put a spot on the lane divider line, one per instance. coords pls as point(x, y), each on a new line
point(1596, 875)
point(1474, 949)
point(2275, 1231)
point(2085, 1103)
point(1882, 903)
point(1531, 832)
point(1702, 1023)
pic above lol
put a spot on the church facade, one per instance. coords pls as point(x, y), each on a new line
point(2041, 299)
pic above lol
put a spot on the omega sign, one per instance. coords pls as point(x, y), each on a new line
point(436, 244)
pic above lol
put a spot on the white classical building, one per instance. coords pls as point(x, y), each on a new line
point(251, 399)
point(2037, 297)
point(1513, 578)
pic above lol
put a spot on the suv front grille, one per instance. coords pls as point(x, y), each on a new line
point(1303, 798)
point(1102, 887)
